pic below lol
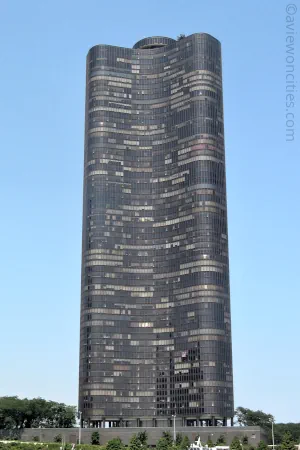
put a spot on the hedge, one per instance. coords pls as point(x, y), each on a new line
point(15, 445)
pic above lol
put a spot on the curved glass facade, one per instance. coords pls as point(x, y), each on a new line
point(155, 310)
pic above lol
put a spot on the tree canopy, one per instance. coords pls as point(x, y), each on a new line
point(248, 417)
point(17, 413)
point(281, 428)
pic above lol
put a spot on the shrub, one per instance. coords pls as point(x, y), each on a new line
point(168, 437)
point(54, 446)
point(89, 447)
point(57, 438)
point(235, 444)
point(134, 443)
point(114, 444)
point(162, 444)
point(179, 438)
point(142, 437)
point(209, 443)
point(245, 440)
point(185, 443)
point(262, 446)
point(95, 439)
point(30, 446)
point(221, 440)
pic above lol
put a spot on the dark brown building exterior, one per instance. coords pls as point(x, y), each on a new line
point(155, 310)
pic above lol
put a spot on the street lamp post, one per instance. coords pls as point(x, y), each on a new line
point(273, 435)
point(79, 438)
point(174, 427)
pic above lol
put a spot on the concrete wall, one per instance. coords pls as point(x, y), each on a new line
point(254, 434)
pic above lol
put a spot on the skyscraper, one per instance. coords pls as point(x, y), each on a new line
point(155, 310)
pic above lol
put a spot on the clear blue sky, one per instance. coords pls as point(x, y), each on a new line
point(43, 50)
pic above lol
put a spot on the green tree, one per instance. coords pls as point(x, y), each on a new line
point(168, 437)
point(179, 437)
point(248, 417)
point(12, 413)
point(143, 438)
point(134, 443)
point(114, 444)
point(209, 442)
point(60, 416)
point(57, 438)
point(287, 442)
point(245, 440)
point(95, 438)
point(262, 446)
point(185, 443)
point(221, 440)
point(235, 444)
point(16, 413)
point(162, 444)
point(281, 428)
